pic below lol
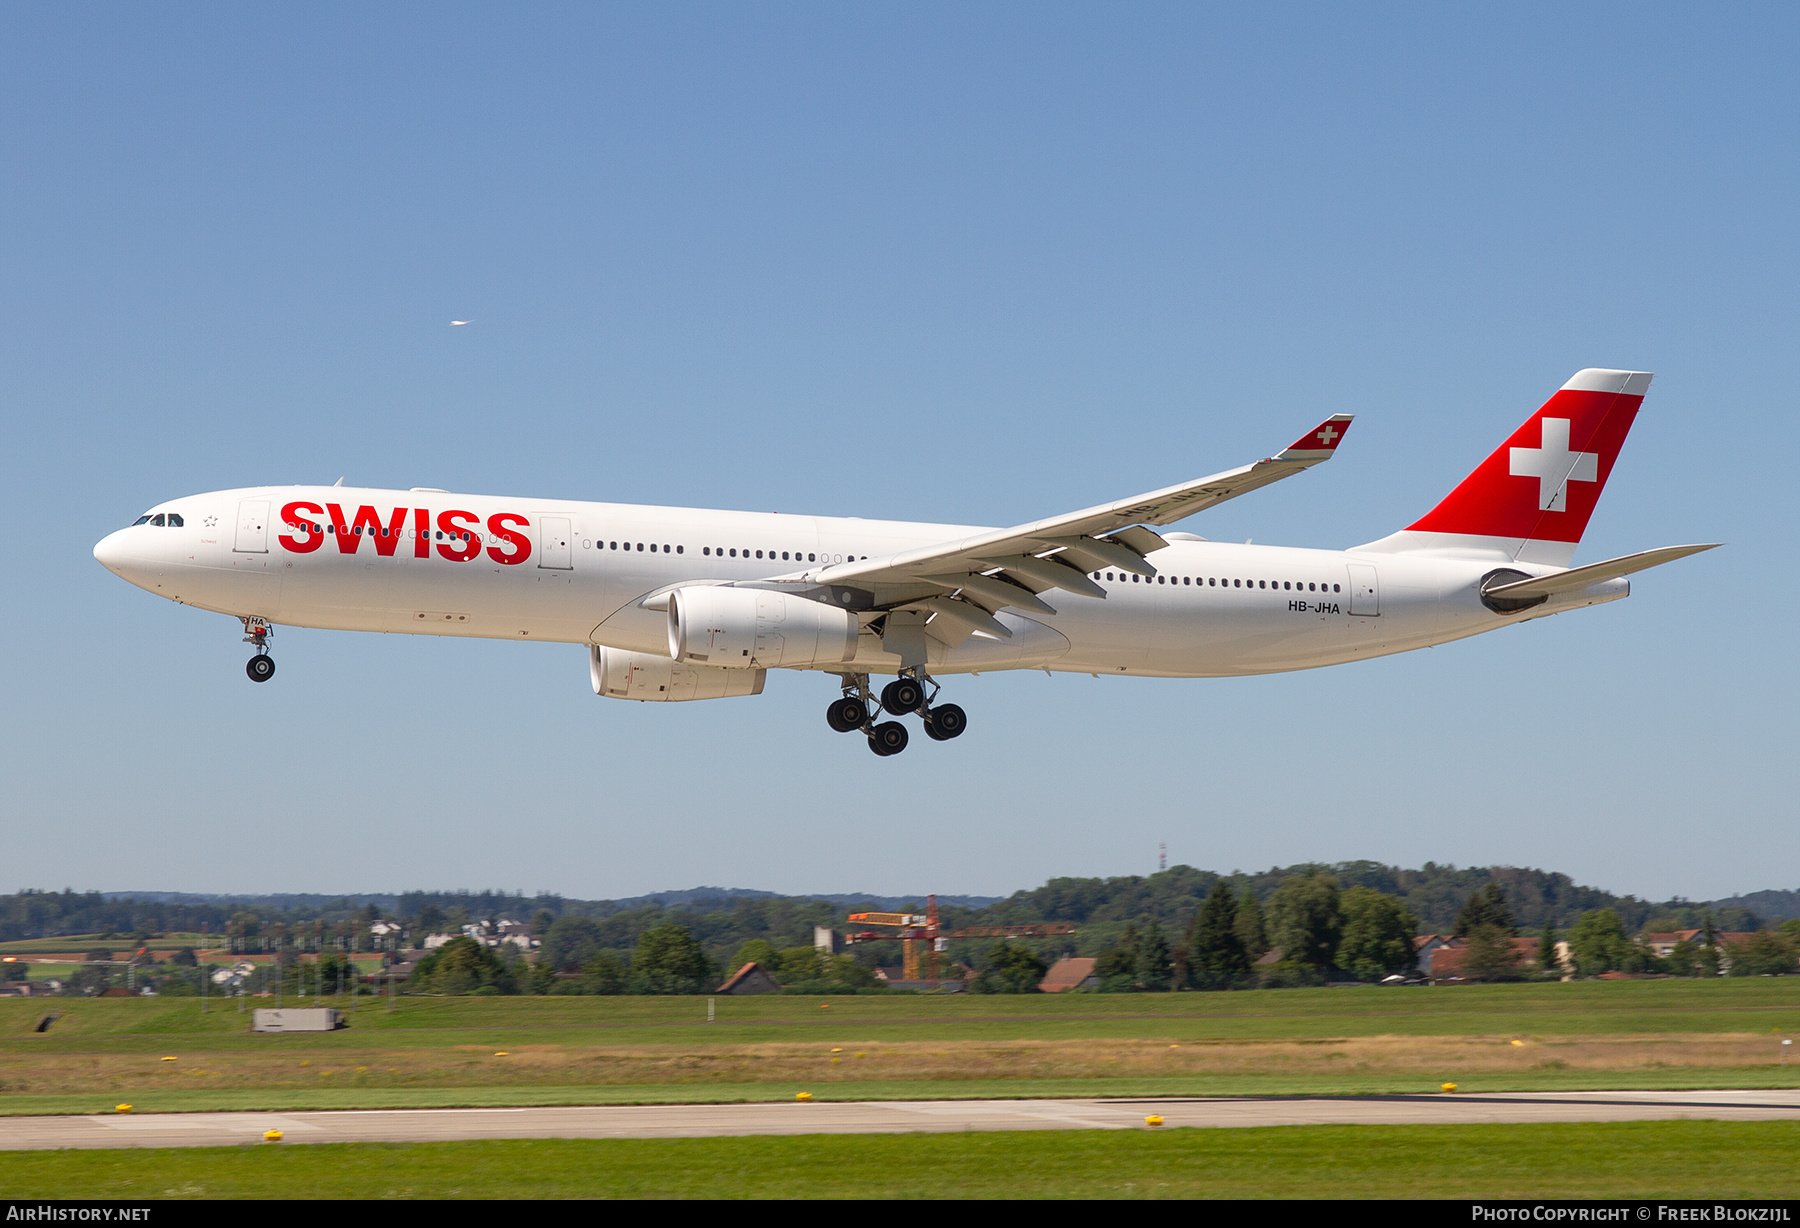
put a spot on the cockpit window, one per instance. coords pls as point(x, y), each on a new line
point(175, 521)
point(144, 519)
point(156, 521)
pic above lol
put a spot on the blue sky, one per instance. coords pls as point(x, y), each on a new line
point(976, 263)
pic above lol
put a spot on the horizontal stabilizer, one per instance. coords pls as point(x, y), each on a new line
point(1581, 577)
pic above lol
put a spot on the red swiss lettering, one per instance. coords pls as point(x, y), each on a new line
point(290, 516)
point(520, 543)
point(467, 537)
point(367, 524)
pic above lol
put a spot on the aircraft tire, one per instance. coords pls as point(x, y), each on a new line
point(946, 721)
point(888, 738)
point(261, 667)
point(846, 714)
point(902, 695)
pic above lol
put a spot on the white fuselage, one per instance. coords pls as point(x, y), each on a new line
point(577, 572)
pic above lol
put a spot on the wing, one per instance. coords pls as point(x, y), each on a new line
point(963, 584)
point(1580, 577)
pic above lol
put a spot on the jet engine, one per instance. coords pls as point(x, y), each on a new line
point(618, 674)
point(754, 628)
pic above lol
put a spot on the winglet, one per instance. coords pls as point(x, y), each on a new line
point(1319, 443)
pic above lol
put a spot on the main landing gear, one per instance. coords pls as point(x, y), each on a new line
point(907, 693)
point(261, 667)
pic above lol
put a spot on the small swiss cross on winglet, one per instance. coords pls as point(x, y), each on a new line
point(1321, 441)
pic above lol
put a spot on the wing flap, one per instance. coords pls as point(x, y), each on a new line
point(1110, 535)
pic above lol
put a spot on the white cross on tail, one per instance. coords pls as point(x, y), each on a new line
point(1554, 466)
point(1327, 433)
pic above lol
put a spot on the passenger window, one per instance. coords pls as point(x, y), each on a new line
point(759, 554)
point(1161, 580)
point(1187, 580)
point(1237, 584)
point(156, 521)
point(1109, 575)
point(811, 559)
point(1334, 588)
point(680, 549)
point(640, 547)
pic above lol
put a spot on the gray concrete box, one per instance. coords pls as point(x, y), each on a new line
point(298, 1019)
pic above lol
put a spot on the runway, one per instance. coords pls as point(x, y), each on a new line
point(878, 1117)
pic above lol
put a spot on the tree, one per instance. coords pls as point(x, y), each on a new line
point(1304, 919)
point(1215, 950)
point(462, 966)
point(1548, 959)
point(1378, 935)
point(183, 957)
point(1116, 967)
point(570, 942)
point(759, 951)
point(1488, 955)
point(1155, 971)
point(603, 974)
point(1250, 927)
point(798, 964)
point(431, 919)
point(1597, 943)
point(1010, 969)
point(669, 961)
point(1486, 906)
point(541, 921)
point(1762, 954)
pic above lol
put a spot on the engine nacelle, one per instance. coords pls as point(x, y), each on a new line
point(754, 628)
point(618, 674)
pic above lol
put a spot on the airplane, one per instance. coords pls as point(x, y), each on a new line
point(681, 604)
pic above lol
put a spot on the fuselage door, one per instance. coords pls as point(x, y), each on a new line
point(252, 527)
point(553, 543)
point(1365, 597)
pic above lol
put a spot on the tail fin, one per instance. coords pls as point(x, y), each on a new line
point(1530, 501)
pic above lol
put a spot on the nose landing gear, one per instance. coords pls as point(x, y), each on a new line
point(907, 693)
point(260, 667)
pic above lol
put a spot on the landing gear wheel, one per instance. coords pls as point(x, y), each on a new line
point(261, 667)
point(902, 695)
point(846, 714)
point(944, 722)
point(888, 738)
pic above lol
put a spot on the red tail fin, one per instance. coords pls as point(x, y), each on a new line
point(1532, 498)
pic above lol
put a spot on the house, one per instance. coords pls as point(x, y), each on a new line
point(895, 978)
point(1425, 946)
point(750, 979)
point(1664, 944)
point(1447, 960)
point(1069, 972)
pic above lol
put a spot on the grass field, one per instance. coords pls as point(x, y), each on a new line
point(434, 1052)
point(1668, 1159)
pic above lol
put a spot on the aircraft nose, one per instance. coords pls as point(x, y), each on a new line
point(110, 551)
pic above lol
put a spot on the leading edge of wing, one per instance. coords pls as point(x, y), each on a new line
point(1157, 507)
